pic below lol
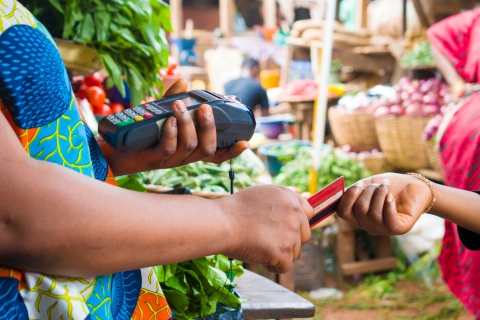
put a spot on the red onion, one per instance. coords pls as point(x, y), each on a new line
point(415, 109)
point(381, 111)
point(430, 110)
point(416, 97)
point(397, 110)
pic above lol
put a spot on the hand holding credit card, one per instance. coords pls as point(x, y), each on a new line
point(325, 202)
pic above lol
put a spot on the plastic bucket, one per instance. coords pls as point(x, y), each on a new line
point(272, 157)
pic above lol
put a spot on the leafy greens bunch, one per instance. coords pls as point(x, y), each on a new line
point(129, 36)
point(296, 172)
point(195, 289)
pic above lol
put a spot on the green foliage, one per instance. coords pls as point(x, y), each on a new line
point(129, 36)
point(195, 288)
point(421, 56)
point(296, 173)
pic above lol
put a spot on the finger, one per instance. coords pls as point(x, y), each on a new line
point(187, 133)
point(223, 154)
point(168, 145)
point(305, 231)
point(391, 218)
point(207, 135)
point(361, 207)
point(180, 86)
point(375, 212)
point(345, 206)
point(282, 267)
point(297, 248)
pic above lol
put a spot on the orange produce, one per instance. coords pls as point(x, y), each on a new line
point(96, 96)
point(116, 107)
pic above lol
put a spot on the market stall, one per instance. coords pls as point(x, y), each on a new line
point(344, 102)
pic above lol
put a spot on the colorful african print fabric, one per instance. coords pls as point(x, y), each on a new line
point(39, 104)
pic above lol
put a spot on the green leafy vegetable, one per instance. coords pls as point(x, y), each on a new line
point(421, 56)
point(208, 177)
point(129, 36)
point(195, 288)
point(296, 172)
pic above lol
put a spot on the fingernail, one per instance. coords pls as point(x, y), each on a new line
point(385, 182)
point(389, 198)
point(180, 106)
point(173, 122)
point(207, 112)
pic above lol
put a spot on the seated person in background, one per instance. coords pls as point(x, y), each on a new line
point(247, 87)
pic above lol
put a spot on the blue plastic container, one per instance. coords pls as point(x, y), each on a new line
point(186, 47)
point(272, 162)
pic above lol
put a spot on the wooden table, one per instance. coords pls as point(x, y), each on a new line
point(268, 300)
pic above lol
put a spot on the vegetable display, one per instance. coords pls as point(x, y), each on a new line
point(414, 98)
point(129, 36)
point(296, 173)
point(420, 56)
point(195, 289)
point(208, 177)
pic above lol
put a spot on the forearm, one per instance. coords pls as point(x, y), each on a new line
point(458, 206)
point(64, 223)
point(445, 67)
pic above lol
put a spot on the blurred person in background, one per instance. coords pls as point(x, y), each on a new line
point(248, 88)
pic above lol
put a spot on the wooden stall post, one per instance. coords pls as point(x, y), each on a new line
point(176, 17)
point(270, 13)
point(227, 8)
point(362, 6)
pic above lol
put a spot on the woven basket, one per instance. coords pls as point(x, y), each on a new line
point(433, 157)
point(401, 142)
point(356, 129)
point(206, 195)
point(377, 164)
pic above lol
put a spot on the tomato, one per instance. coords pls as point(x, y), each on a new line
point(82, 92)
point(172, 63)
point(96, 96)
point(104, 110)
point(94, 80)
point(116, 107)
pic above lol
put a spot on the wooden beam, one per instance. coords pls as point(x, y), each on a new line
point(370, 266)
point(421, 13)
point(362, 6)
point(227, 8)
point(176, 17)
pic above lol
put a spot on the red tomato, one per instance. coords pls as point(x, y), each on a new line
point(172, 63)
point(94, 80)
point(96, 96)
point(82, 92)
point(116, 107)
point(104, 110)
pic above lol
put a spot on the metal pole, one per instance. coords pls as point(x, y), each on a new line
point(404, 20)
point(321, 103)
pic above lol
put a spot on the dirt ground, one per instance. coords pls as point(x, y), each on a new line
point(409, 301)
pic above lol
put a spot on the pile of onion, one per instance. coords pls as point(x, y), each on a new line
point(419, 98)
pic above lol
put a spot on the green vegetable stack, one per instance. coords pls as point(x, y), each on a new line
point(129, 36)
point(195, 289)
point(208, 177)
point(296, 172)
point(421, 56)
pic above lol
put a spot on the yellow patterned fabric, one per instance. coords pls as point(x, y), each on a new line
point(37, 100)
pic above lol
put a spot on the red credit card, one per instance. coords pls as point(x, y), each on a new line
point(325, 202)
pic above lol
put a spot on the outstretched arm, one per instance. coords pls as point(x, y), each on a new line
point(390, 204)
point(56, 221)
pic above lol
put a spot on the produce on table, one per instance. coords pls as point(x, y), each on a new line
point(208, 177)
point(195, 289)
point(416, 98)
point(421, 56)
point(96, 96)
point(333, 165)
point(307, 90)
point(129, 36)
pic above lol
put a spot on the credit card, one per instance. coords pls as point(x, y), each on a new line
point(325, 202)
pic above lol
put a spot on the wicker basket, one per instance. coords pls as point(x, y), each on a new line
point(377, 164)
point(401, 142)
point(433, 157)
point(82, 60)
point(356, 129)
point(206, 195)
